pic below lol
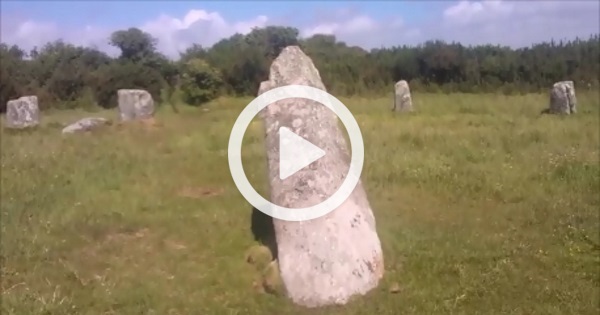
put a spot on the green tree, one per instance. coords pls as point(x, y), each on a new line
point(200, 83)
point(272, 39)
point(15, 74)
point(134, 43)
point(61, 73)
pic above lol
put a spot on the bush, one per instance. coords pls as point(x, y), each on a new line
point(200, 82)
point(125, 75)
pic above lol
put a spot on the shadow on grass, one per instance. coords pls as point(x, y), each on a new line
point(263, 230)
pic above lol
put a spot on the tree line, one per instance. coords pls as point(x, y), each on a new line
point(63, 75)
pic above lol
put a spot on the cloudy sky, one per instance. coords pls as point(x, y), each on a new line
point(365, 23)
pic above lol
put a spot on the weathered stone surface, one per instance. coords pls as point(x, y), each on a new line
point(562, 98)
point(23, 112)
point(135, 104)
point(402, 98)
point(326, 260)
point(85, 124)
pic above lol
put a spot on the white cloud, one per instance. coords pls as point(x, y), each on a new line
point(174, 34)
point(197, 26)
point(358, 24)
point(365, 31)
point(26, 33)
point(466, 12)
point(29, 34)
point(514, 23)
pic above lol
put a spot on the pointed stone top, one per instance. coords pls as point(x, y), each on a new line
point(402, 83)
point(293, 66)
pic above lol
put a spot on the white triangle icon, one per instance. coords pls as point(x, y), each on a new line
point(295, 153)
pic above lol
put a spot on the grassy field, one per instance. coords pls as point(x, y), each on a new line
point(482, 205)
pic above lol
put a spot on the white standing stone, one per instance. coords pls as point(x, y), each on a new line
point(135, 104)
point(402, 98)
point(326, 260)
point(23, 112)
point(562, 98)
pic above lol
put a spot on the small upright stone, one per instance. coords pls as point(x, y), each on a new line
point(402, 98)
point(23, 112)
point(562, 98)
point(135, 104)
point(329, 259)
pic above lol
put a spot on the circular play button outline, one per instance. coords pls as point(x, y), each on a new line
point(234, 153)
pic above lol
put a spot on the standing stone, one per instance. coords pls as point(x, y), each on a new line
point(23, 112)
point(562, 98)
point(402, 98)
point(135, 104)
point(325, 260)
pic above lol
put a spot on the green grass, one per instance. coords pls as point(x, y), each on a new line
point(482, 205)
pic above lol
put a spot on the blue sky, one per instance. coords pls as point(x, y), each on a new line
point(364, 23)
point(118, 12)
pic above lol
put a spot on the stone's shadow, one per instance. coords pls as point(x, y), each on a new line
point(263, 230)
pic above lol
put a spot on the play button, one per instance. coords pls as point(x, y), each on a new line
point(295, 153)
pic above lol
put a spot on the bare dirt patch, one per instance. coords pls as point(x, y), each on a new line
point(125, 252)
point(146, 124)
point(151, 123)
point(199, 192)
